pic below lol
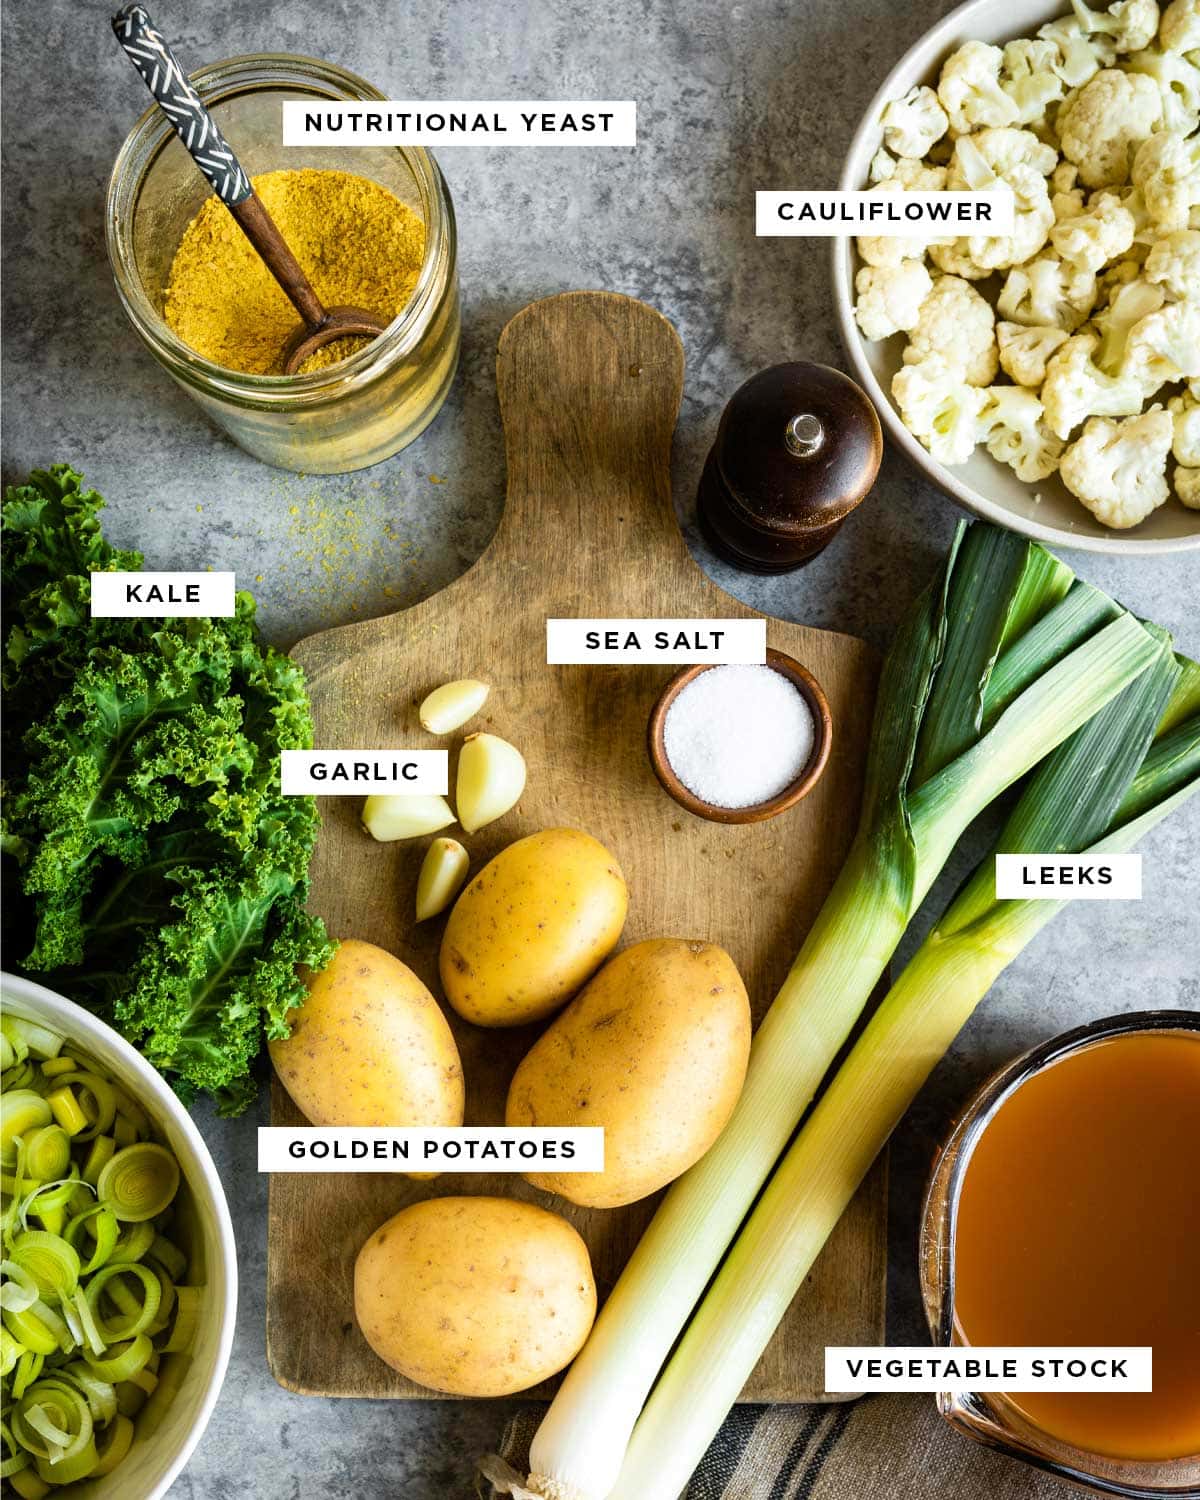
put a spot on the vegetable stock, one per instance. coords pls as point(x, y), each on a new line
point(1079, 1223)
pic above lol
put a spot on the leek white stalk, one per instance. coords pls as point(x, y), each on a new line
point(998, 663)
point(1100, 792)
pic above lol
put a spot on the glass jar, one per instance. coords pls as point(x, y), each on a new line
point(349, 415)
point(991, 1418)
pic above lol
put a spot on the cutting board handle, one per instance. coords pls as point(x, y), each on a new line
point(590, 385)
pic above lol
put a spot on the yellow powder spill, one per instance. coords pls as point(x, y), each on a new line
point(339, 549)
point(358, 244)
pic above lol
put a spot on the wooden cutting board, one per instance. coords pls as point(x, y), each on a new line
point(589, 385)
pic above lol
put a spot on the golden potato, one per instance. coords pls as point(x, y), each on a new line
point(475, 1296)
point(531, 927)
point(370, 1046)
point(655, 1050)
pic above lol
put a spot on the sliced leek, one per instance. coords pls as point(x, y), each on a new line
point(114, 1447)
point(139, 1182)
point(21, 1112)
point(50, 1260)
point(30, 1038)
point(87, 1268)
point(48, 1153)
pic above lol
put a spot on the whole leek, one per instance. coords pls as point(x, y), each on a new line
point(998, 662)
point(1118, 776)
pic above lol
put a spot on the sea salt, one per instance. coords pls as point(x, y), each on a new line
point(737, 736)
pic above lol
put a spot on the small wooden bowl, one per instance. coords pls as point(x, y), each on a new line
point(810, 690)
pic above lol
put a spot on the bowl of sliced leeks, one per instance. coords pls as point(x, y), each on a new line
point(120, 1273)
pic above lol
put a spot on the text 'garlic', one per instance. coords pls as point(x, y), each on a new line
point(491, 778)
point(442, 873)
point(449, 707)
point(389, 817)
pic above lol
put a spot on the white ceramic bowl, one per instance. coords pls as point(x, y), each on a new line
point(170, 1424)
point(988, 488)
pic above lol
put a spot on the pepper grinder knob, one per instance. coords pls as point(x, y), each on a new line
point(798, 448)
point(804, 435)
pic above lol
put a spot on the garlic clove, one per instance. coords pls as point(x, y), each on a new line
point(449, 707)
point(443, 871)
point(389, 817)
point(491, 778)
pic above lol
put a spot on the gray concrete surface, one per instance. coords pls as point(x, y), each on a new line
point(731, 97)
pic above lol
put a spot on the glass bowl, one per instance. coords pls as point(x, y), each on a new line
point(990, 1418)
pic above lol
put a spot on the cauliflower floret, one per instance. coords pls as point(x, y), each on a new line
point(1185, 441)
point(1119, 469)
point(1024, 351)
point(1179, 29)
point(1170, 335)
point(1029, 79)
point(1130, 23)
point(1129, 303)
point(1080, 55)
point(911, 125)
point(1033, 219)
point(955, 260)
point(1102, 127)
point(1014, 159)
point(1012, 427)
point(1076, 388)
point(882, 167)
point(1174, 263)
point(1066, 196)
point(939, 407)
point(1067, 205)
point(1048, 291)
point(969, 88)
point(1178, 85)
point(890, 297)
point(1112, 279)
point(1101, 233)
point(956, 325)
point(1167, 170)
point(890, 250)
point(1185, 444)
point(980, 158)
point(918, 176)
point(1144, 232)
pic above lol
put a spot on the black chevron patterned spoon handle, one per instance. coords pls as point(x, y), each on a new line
point(164, 77)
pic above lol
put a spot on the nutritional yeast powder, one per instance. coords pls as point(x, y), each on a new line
point(358, 244)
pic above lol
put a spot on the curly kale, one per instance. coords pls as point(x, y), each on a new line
point(159, 875)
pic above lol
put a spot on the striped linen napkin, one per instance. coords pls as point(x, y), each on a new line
point(876, 1448)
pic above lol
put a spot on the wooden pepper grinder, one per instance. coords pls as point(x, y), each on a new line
point(797, 450)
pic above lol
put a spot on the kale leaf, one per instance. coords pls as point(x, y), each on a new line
point(158, 874)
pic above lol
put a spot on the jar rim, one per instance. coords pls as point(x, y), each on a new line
point(151, 132)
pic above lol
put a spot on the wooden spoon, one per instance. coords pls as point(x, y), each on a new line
point(177, 98)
